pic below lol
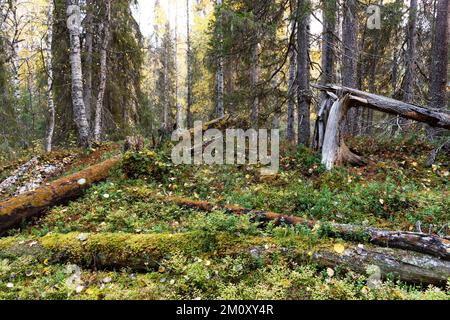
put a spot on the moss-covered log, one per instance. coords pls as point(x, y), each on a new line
point(32, 204)
point(144, 252)
point(413, 241)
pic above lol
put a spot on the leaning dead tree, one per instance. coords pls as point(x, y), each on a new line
point(329, 135)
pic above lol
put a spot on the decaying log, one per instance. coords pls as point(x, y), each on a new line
point(219, 123)
point(145, 252)
point(32, 204)
point(413, 241)
point(435, 118)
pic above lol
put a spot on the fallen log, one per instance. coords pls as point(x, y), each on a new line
point(413, 241)
point(32, 204)
point(145, 252)
point(435, 118)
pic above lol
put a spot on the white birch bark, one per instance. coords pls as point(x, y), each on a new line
point(50, 103)
point(105, 26)
point(79, 109)
point(188, 62)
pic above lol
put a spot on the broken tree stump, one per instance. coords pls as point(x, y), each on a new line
point(334, 150)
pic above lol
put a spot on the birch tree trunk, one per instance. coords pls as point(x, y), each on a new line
point(220, 109)
point(50, 103)
point(304, 93)
point(177, 105)
point(188, 62)
point(79, 109)
point(291, 89)
point(439, 67)
point(105, 26)
point(254, 82)
point(88, 68)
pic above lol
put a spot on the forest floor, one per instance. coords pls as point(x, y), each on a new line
point(393, 191)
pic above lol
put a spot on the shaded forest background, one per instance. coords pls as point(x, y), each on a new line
point(254, 60)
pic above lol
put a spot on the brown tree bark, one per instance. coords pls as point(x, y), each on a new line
point(35, 203)
point(304, 92)
point(439, 67)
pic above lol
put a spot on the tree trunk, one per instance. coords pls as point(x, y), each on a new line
point(349, 41)
point(79, 109)
point(189, 76)
point(439, 67)
point(178, 123)
point(33, 204)
point(105, 27)
point(334, 150)
point(50, 102)
point(276, 102)
point(291, 88)
point(254, 83)
point(410, 59)
point(303, 94)
point(88, 67)
point(15, 51)
point(220, 112)
point(146, 251)
point(328, 43)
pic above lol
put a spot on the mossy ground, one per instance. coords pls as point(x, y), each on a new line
point(393, 191)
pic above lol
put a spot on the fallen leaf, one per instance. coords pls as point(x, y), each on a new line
point(339, 248)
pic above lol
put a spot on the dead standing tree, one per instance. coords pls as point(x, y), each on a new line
point(329, 130)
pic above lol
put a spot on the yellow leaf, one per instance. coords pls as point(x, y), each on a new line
point(339, 248)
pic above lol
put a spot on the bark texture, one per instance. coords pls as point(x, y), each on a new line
point(35, 203)
point(291, 89)
point(220, 112)
point(79, 109)
point(50, 102)
point(303, 94)
point(105, 27)
point(439, 67)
